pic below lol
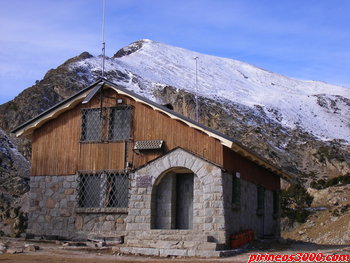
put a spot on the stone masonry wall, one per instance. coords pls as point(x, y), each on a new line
point(245, 216)
point(53, 207)
point(208, 207)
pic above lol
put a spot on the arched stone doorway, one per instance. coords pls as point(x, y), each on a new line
point(208, 203)
point(172, 199)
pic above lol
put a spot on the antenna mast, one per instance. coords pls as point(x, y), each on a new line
point(103, 39)
point(196, 97)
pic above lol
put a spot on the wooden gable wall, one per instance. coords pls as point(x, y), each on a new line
point(249, 171)
point(56, 147)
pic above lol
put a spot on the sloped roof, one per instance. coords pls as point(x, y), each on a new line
point(28, 127)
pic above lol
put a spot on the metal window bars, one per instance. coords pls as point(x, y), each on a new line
point(112, 124)
point(119, 123)
point(101, 189)
point(91, 125)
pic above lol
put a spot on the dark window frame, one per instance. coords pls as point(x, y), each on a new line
point(236, 190)
point(103, 189)
point(124, 131)
point(107, 123)
point(87, 128)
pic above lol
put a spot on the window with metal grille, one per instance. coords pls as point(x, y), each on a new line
point(102, 189)
point(91, 125)
point(113, 124)
point(119, 123)
point(236, 190)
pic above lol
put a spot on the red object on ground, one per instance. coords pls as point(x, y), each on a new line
point(241, 238)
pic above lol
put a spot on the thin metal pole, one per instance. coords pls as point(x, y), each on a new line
point(103, 39)
point(196, 96)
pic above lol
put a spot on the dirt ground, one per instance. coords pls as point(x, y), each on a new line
point(56, 253)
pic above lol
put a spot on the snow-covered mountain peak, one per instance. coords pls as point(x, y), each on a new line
point(292, 102)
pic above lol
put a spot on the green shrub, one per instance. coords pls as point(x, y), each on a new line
point(322, 183)
point(318, 184)
point(294, 200)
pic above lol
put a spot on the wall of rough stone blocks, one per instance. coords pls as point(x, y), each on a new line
point(53, 204)
point(52, 211)
point(245, 216)
point(208, 206)
point(198, 201)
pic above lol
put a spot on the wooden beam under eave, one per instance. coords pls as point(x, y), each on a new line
point(53, 115)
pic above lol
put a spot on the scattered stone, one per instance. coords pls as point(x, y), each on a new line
point(75, 244)
point(114, 241)
point(333, 218)
point(101, 244)
point(15, 250)
point(31, 247)
point(2, 248)
point(301, 232)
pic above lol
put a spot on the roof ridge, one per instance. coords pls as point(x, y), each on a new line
point(225, 140)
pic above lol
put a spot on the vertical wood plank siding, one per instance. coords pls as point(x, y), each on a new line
point(249, 170)
point(56, 147)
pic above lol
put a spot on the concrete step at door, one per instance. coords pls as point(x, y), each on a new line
point(172, 244)
point(175, 235)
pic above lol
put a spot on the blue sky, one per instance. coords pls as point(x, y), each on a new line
point(305, 39)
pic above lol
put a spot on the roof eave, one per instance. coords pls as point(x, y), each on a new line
point(29, 126)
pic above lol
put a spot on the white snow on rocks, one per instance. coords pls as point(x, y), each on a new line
point(319, 108)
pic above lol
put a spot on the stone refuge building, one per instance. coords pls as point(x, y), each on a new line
point(107, 162)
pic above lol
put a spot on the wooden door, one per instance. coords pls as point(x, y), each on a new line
point(184, 201)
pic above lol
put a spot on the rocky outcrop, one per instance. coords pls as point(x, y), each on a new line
point(129, 49)
point(14, 177)
point(330, 213)
point(293, 150)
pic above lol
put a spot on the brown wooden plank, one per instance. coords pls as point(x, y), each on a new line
point(57, 150)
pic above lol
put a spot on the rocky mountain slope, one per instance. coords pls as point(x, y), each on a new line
point(303, 127)
point(14, 177)
point(329, 222)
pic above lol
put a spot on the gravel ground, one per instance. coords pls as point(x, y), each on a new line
point(56, 253)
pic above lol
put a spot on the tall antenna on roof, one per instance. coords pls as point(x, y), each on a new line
point(103, 39)
point(196, 97)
